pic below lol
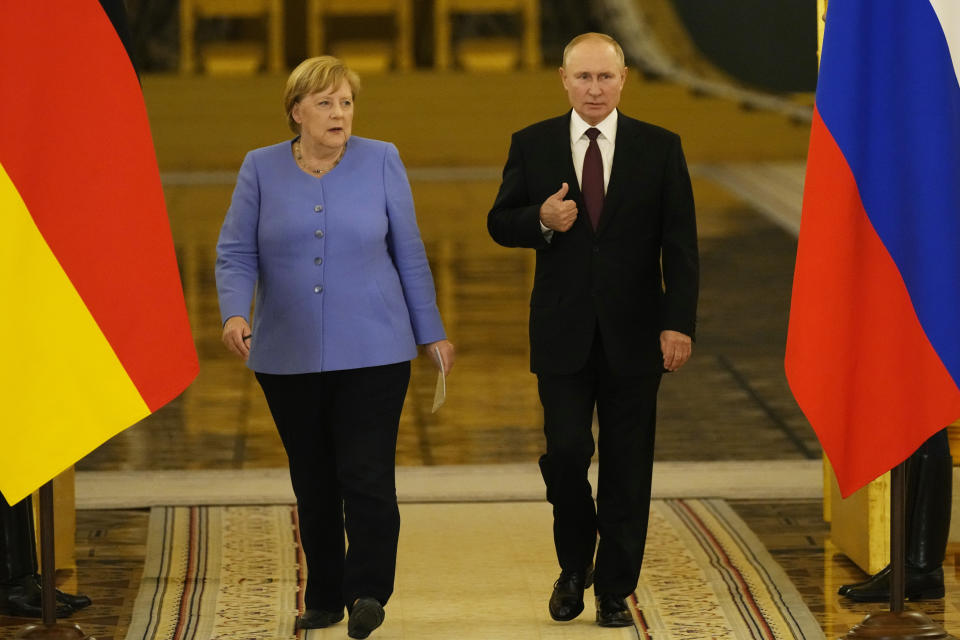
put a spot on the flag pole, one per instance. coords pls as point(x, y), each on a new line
point(898, 624)
point(49, 629)
point(898, 544)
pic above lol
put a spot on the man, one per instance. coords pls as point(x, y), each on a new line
point(20, 591)
point(605, 200)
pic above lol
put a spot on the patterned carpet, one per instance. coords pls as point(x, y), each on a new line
point(218, 572)
point(706, 575)
point(234, 572)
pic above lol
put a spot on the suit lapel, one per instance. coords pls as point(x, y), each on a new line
point(621, 172)
point(559, 150)
point(555, 153)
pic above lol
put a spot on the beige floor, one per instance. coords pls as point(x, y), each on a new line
point(476, 572)
point(756, 479)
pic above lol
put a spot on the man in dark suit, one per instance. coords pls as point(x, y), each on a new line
point(606, 202)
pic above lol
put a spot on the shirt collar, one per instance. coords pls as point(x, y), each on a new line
point(607, 126)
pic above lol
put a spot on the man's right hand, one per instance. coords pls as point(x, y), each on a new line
point(556, 213)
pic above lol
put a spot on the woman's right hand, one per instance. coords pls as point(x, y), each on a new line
point(236, 336)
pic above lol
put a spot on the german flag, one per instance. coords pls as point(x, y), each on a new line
point(93, 322)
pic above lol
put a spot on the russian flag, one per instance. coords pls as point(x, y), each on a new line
point(94, 325)
point(873, 348)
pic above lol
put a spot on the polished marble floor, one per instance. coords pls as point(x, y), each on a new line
point(730, 403)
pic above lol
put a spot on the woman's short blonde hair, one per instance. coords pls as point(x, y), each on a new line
point(313, 75)
point(593, 35)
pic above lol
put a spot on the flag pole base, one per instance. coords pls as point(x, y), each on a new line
point(906, 625)
point(57, 631)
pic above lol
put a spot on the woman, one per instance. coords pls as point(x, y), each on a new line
point(322, 227)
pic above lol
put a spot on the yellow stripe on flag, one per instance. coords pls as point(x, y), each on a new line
point(64, 391)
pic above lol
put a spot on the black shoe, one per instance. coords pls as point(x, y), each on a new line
point(566, 601)
point(23, 600)
point(365, 616)
point(919, 585)
point(318, 618)
point(882, 575)
point(74, 601)
point(612, 611)
point(845, 588)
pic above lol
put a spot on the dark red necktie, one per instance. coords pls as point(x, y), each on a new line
point(591, 182)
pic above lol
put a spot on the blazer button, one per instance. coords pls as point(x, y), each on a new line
point(318, 208)
point(318, 233)
point(318, 261)
point(318, 289)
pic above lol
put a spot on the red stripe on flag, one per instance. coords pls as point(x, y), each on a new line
point(858, 361)
point(77, 145)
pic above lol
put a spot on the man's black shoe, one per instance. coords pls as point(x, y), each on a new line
point(883, 574)
point(22, 599)
point(74, 601)
point(318, 618)
point(566, 601)
point(919, 585)
point(365, 616)
point(612, 611)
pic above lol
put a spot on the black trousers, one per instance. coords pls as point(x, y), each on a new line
point(339, 429)
point(936, 446)
point(18, 554)
point(626, 410)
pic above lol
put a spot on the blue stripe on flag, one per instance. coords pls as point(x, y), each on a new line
point(889, 95)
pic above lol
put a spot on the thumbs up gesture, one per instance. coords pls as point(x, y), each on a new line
point(556, 213)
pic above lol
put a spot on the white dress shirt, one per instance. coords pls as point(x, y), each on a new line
point(578, 147)
point(606, 141)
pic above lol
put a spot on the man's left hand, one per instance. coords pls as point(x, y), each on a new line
point(676, 348)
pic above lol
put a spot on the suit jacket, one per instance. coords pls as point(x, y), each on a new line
point(611, 278)
point(341, 276)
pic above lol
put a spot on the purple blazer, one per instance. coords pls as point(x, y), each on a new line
point(338, 266)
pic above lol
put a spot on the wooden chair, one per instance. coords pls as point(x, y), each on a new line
point(529, 11)
point(191, 11)
point(401, 10)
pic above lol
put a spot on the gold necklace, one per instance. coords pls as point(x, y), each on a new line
point(298, 154)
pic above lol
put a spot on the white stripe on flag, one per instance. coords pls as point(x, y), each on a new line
point(948, 12)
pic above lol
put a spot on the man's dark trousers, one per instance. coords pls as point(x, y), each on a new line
point(626, 411)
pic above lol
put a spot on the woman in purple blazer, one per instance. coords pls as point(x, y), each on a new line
point(322, 230)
